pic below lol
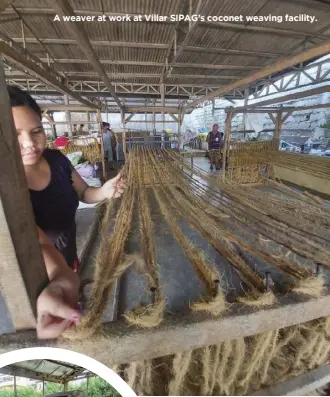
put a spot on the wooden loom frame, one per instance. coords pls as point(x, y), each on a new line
point(120, 343)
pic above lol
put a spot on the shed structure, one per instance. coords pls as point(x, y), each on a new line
point(160, 67)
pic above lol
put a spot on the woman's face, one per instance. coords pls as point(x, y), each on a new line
point(31, 136)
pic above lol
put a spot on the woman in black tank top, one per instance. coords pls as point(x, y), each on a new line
point(55, 190)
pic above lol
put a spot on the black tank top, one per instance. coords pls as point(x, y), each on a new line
point(55, 206)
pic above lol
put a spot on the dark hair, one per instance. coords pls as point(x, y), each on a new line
point(105, 124)
point(81, 125)
point(75, 125)
point(216, 125)
point(18, 97)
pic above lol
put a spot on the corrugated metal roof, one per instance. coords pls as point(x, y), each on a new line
point(39, 17)
point(57, 369)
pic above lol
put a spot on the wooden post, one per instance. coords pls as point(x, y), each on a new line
point(15, 388)
point(87, 386)
point(99, 120)
point(68, 116)
point(246, 101)
point(22, 270)
point(278, 125)
point(213, 110)
point(226, 149)
point(124, 133)
point(180, 119)
point(43, 387)
point(50, 119)
point(162, 94)
point(154, 122)
point(65, 386)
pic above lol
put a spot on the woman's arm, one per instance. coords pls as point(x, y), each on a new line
point(57, 303)
point(90, 195)
point(54, 260)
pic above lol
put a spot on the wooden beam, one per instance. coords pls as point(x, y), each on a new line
point(96, 43)
point(174, 117)
point(4, 4)
point(160, 46)
point(179, 333)
point(313, 4)
point(130, 117)
point(78, 31)
point(6, 20)
point(143, 75)
point(300, 385)
point(151, 109)
point(231, 52)
point(272, 117)
point(261, 29)
point(192, 28)
point(71, 108)
point(214, 67)
point(22, 269)
point(157, 64)
point(289, 97)
point(14, 57)
point(277, 66)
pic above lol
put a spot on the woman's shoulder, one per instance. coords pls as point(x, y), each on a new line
point(57, 159)
point(54, 155)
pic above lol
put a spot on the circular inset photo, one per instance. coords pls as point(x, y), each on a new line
point(52, 378)
point(51, 372)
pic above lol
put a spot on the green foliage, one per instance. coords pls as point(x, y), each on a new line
point(21, 392)
point(326, 126)
point(51, 388)
point(97, 387)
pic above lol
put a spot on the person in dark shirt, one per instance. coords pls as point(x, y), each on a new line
point(214, 142)
point(55, 190)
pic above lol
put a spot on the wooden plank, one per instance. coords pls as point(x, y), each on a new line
point(119, 342)
point(20, 255)
point(277, 66)
point(16, 58)
point(78, 31)
point(300, 385)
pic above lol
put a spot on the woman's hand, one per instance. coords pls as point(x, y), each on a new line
point(57, 305)
point(114, 188)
